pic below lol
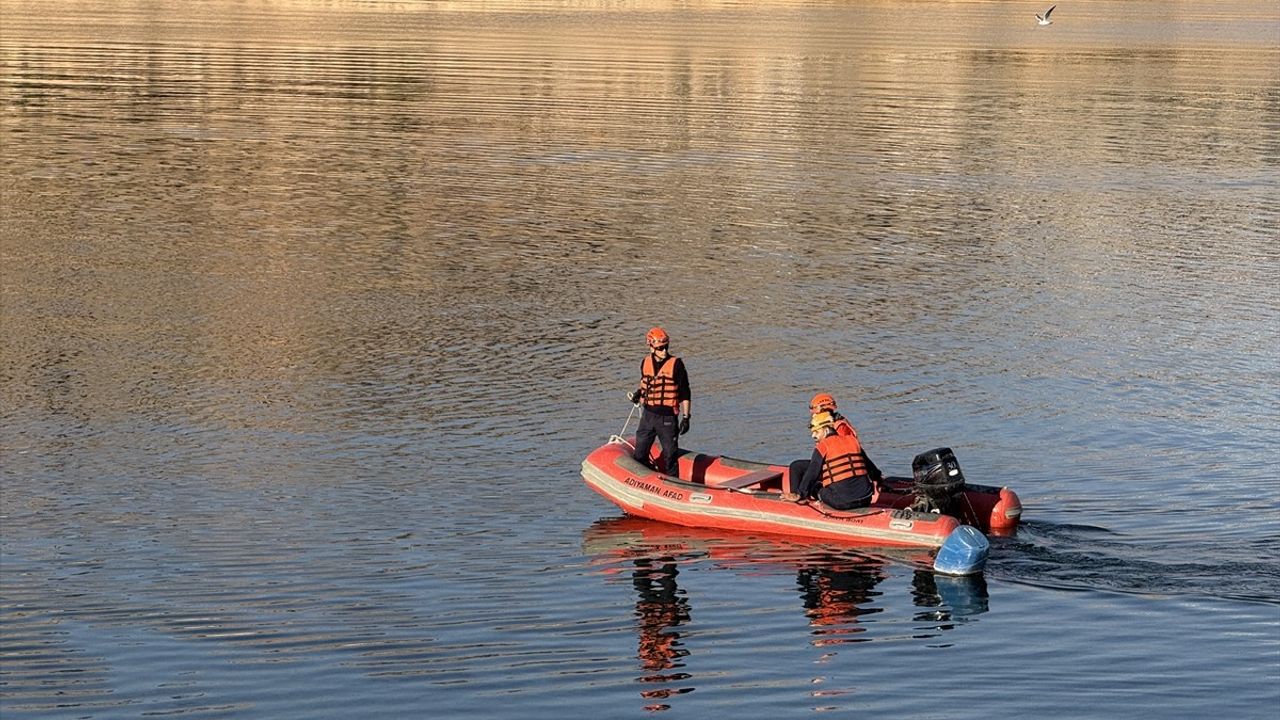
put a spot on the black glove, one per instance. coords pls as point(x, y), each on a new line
point(633, 397)
point(684, 424)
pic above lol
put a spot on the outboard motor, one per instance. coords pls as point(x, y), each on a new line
point(938, 481)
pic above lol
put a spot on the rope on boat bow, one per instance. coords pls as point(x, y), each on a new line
point(621, 437)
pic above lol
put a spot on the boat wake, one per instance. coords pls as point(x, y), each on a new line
point(1085, 557)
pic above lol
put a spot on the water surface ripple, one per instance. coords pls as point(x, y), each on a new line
point(312, 309)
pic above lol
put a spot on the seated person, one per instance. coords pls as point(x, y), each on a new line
point(839, 473)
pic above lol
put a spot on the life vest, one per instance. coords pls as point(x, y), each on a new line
point(843, 427)
point(658, 385)
point(842, 458)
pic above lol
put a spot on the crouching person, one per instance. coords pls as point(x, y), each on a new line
point(839, 473)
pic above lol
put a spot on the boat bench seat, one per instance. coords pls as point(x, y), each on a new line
point(751, 478)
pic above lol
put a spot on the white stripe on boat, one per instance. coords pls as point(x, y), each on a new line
point(628, 495)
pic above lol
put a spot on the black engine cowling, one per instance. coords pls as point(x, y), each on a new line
point(938, 481)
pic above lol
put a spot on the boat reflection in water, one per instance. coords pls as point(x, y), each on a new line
point(950, 599)
point(660, 608)
point(837, 587)
point(837, 594)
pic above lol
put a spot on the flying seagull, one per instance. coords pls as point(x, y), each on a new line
point(1044, 19)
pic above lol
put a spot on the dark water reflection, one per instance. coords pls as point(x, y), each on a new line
point(837, 592)
point(309, 311)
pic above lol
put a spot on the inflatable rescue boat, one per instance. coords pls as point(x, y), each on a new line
point(934, 509)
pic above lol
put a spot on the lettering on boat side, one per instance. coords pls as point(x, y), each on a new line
point(650, 488)
point(643, 485)
point(700, 498)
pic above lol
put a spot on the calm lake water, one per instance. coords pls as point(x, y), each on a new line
point(311, 309)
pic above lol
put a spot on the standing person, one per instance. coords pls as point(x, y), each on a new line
point(664, 392)
point(824, 402)
point(839, 473)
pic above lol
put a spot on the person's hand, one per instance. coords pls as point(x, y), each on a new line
point(633, 397)
point(684, 424)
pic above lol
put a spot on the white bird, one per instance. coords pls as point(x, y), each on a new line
point(1044, 19)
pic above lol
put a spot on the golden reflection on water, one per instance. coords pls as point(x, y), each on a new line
point(267, 202)
point(234, 215)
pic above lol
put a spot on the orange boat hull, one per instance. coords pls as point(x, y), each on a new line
point(704, 496)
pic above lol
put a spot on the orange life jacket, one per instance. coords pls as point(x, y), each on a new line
point(658, 386)
point(843, 427)
point(842, 458)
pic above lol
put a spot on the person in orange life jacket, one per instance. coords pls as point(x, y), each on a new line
point(664, 392)
point(824, 402)
point(839, 473)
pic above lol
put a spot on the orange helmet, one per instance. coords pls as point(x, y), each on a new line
point(657, 337)
point(821, 420)
point(822, 402)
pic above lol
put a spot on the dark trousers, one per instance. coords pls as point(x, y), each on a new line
point(795, 471)
point(847, 494)
point(662, 427)
point(844, 495)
